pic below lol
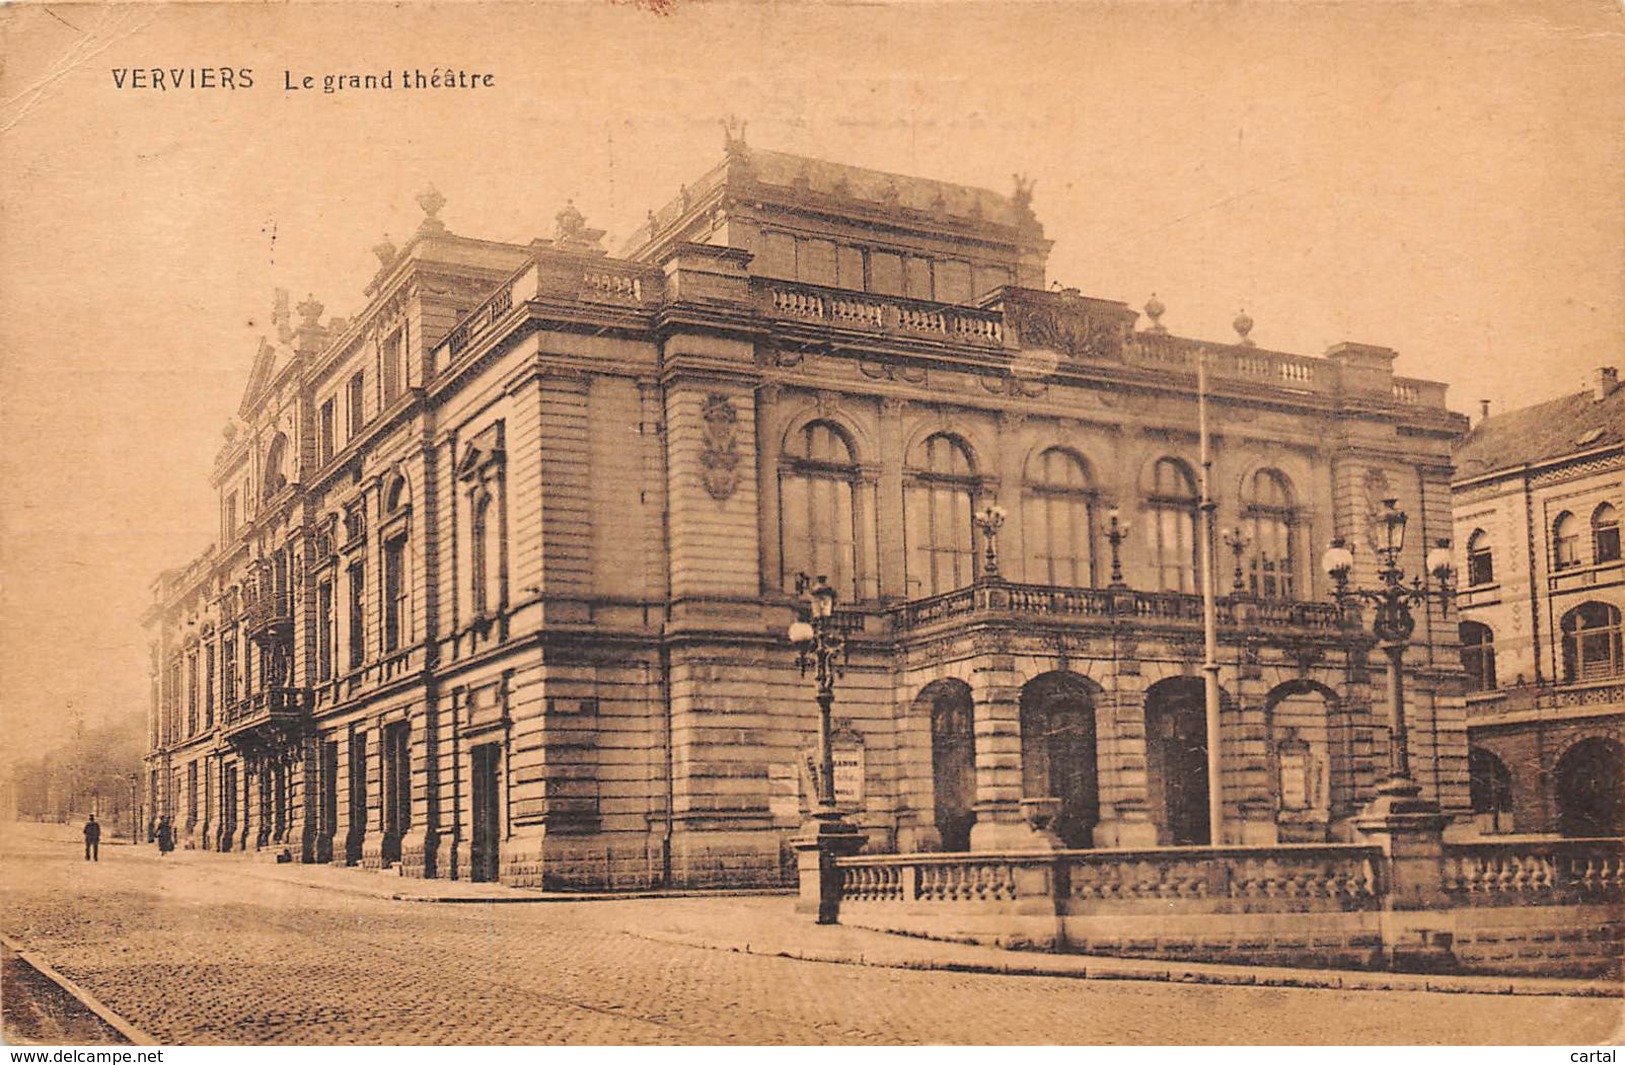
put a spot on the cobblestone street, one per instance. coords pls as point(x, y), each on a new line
point(199, 949)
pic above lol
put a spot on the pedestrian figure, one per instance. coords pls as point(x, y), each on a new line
point(93, 840)
point(166, 837)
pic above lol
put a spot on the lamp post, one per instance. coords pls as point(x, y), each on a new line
point(1392, 623)
point(135, 809)
point(821, 648)
point(990, 519)
point(1237, 540)
point(1116, 533)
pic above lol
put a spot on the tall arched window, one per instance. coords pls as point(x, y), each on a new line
point(939, 498)
point(1480, 561)
point(1478, 656)
point(817, 531)
point(1591, 642)
point(1172, 504)
point(1605, 534)
point(1058, 520)
point(1565, 541)
point(1489, 784)
point(1272, 517)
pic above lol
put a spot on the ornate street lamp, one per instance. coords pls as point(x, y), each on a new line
point(990, 519)
point(1237, 540)
point(1116, 533)
point(820, 648)
point(1392, 623)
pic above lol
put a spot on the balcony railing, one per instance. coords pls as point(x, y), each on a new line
point(882, 314)
point(1114, 604)
point(271, 710)
point(1528, 697)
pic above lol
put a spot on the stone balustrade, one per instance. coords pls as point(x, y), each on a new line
point(889, 314)
point(1535, 872)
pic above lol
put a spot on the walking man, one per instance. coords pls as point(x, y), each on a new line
point(93, 840)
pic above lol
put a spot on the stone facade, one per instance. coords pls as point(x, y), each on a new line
point(1538, 494)
point(506, 561)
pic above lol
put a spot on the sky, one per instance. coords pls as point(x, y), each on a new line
point(1443, 179)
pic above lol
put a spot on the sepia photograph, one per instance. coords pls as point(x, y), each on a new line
point(738, 523)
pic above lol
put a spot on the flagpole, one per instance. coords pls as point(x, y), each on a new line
point(1210, 637)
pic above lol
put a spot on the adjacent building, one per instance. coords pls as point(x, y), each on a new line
point(1538, 496)
point(507, 559)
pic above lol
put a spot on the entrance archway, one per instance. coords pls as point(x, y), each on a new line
point(1058, 752)
point(1176, 761)
point(953, 760)
point(1590, 781)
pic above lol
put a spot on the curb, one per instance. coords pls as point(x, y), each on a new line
point(1185, 973)
point(95, 1005)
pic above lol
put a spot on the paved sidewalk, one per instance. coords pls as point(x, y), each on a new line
point(763, 923)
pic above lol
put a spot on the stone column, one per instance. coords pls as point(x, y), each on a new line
point(1416, 925)
point(996, 689)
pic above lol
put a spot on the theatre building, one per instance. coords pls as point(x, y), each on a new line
point(506, 560)
point(1538, 498)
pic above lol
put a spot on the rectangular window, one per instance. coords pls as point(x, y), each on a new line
point(778, 256)
point(394, 593)
point(228, 675)
point(324, 631)
point(885, 273)
point(325, 443)
point(358, 403)
point(229, 515)
point(191, 694)
point(953, 282)
point(989, 278)
point(391, 359)
point(816, 262)
point(208, 686)
point(191, 794)
point(918, 279)
point(358, 614)
point(849, 268)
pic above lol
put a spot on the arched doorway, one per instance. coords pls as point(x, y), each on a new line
point(1176, 761)
point(1058, 752)
point(1590, 782)
point(953, 760)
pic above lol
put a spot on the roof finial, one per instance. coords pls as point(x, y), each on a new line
point(386, 251)
point(733, 134)
point(431, 201)
point(1243, 325)
point(1154, 310)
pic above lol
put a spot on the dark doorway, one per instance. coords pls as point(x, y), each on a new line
point(327, 808)
point(1058, 752)
point(1591, 789)
point(953, 760)
point(228, 808)
point(397, 788)
point(485, 859)
point(1176, 761)
point(1489, 783)
point(357, 834)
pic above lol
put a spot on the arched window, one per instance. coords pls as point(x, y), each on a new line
point(938, 499)
point(817, 534)
point(1565, 541)
point(1605, 534)
point(1172, 504)
point(1478, 656)
point(1272, 516)
point(276, 477)
point(1058, 520)
point(1489, 783)
point(1480, 561)
point(1591, 642)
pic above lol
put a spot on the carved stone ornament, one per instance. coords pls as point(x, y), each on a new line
point(720, 459)
point(1073, 331)
point(1375, 488)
